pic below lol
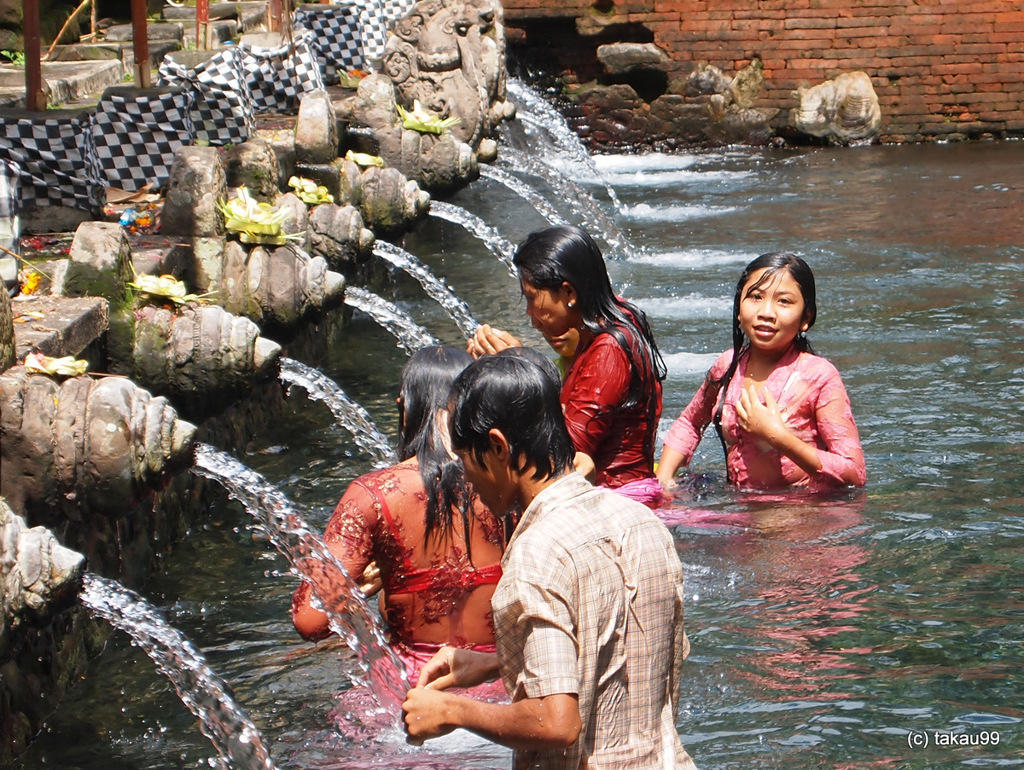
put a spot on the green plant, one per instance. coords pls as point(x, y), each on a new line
point(17, 58)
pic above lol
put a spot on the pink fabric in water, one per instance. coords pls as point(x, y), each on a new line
point(814, 405)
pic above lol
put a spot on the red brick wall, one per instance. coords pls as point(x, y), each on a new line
point(940, 67)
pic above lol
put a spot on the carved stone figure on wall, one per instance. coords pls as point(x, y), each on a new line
point(447, 54)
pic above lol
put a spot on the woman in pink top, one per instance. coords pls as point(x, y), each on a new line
point(781, 411)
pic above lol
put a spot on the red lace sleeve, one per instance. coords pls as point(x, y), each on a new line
point(349, 536)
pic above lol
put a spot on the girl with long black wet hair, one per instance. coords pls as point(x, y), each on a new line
point(612, 368)
point(781, 412)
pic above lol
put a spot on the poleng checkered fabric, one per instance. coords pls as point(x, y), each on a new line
point(136, 133)
point(278, 77)
point(397, 9)
point(56, 160)
point(375, 30)
point(337, 37)
point(222, 112)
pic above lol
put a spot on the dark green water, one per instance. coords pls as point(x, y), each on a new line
point(827, 633)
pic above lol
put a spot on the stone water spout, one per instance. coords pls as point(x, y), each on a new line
point(843, 110)
point(388, 201)
point(199, 351)
point(37, 576)
point(39, 579)
point(84, 443)
point(271, 285)
point(436, 162)
point(336, 233)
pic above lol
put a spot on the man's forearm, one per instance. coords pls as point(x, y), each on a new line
point(552, 722)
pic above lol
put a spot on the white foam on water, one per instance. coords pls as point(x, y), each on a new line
point(690, 258)
point(649, 213)
point(689, 363)
point(690, 306)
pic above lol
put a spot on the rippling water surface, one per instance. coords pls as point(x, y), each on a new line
point(832, 632)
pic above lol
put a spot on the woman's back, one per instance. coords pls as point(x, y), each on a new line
point(436, 590)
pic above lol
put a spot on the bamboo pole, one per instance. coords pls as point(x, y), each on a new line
point(71, 18)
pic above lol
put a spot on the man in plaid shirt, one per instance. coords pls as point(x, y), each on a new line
point(589, 611)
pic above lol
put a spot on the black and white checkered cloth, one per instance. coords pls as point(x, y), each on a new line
point(222, 112)
point(10, 231)
point(337, 37)
point(136, 133)
point(10, 190)
point(56, 160)
point(396, 9)
point(375, 30)
point(278, 77)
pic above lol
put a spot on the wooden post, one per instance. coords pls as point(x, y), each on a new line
point(35, 96)
point(203, 25)
point(274, 15)
point(140, 44)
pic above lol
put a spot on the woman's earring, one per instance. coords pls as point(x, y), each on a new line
point(571, 304)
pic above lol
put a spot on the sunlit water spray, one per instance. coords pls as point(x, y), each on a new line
point(524, 191)
point(348, 613)
point(540, 113)
point(456, 309)
point(501, 247)
point(410, 335)
point(233, 734)
point(350, 415)
point(593, 216)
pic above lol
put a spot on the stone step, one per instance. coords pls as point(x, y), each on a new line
point(57, 326)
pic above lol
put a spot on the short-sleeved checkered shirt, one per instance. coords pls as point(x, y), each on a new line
point(591, 603)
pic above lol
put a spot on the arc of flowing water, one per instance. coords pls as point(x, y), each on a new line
point(348, 613)
point(593, 216)
point(524, 191)
point(542, 114)
point(410, 335)
point(233, 734)
point(351, 415)
point(499, 246)
point(457, 310)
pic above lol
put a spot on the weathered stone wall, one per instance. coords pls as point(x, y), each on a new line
point(940, 69)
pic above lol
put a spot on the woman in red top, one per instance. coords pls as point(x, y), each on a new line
point(438, 548)
point(611, 392)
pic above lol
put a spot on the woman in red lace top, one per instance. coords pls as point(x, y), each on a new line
point(437, 546)
point(611, 391)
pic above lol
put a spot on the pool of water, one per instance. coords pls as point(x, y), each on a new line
point(837, 632)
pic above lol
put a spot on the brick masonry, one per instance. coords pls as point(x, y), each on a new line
point(941, 68)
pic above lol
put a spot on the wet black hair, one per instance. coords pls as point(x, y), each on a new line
point(424, 390)
point(519, 398)
point(771, 263)
point(532, 354)
point(567, 254)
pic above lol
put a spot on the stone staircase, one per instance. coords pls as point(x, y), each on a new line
point(78, 73)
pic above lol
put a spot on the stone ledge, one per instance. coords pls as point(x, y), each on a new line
point(67, 327)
